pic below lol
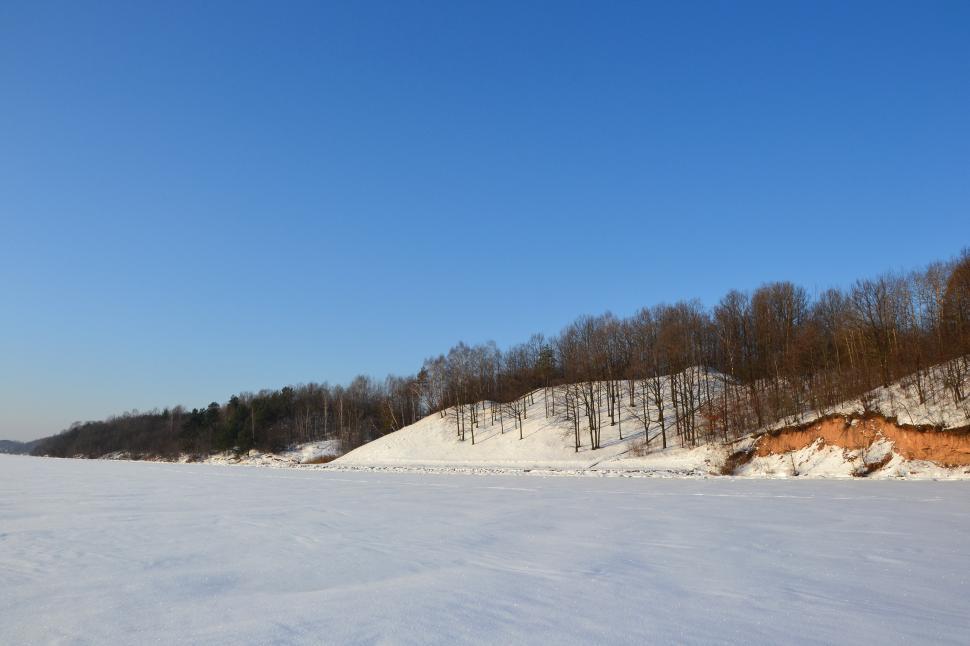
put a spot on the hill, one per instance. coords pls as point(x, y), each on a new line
point(888, 432)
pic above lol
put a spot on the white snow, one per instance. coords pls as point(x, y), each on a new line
point(307, 453)
point(99, 552)
point(547, 443)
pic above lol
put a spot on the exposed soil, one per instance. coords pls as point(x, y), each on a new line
point(949, 448)
point(736, 460)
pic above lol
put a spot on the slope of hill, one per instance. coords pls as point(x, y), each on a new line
point(902, 401)
point(841, 449)
point(546, 440)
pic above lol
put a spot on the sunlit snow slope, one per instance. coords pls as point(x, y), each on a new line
point(547, 442)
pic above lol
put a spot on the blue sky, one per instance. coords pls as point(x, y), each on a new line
point(196, 201)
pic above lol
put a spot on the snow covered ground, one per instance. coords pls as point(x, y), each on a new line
point(95, 551)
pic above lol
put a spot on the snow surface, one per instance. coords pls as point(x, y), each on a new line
point(95, 551)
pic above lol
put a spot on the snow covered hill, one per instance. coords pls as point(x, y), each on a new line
point(891, 432)
point(901, 400)
point(547, 442)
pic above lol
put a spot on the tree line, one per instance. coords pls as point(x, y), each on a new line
point(690, 373)
point(269, 420)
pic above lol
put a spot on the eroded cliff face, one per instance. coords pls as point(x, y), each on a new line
point(948, 448)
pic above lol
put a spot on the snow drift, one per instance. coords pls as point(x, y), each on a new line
point(98, 552)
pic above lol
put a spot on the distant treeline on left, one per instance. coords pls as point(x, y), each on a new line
point(268, 421)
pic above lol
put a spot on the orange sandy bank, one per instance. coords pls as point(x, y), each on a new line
point(949, 448)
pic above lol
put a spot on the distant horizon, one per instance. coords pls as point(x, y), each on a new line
point(222, 399)
point(201, 201)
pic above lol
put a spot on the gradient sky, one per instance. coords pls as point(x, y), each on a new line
point(201, 200)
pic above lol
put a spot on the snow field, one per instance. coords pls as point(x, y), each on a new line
point(95, 551)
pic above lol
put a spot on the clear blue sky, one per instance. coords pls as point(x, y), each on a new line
point(200, 200)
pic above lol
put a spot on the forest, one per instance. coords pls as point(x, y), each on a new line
point(772, 353)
